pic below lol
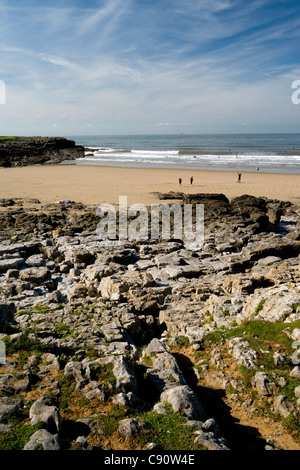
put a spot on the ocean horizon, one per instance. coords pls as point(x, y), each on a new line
point(272, 153)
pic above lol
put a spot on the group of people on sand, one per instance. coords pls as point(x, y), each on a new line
point(192, 178)
point(180, 180)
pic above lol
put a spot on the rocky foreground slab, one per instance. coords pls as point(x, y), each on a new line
point(105, 342)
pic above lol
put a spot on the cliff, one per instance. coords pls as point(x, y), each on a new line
point(37, 150)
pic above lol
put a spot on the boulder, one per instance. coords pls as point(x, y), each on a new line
point(10, 263)
point(131, 426)
point(204, 197)
point(9, 407)
point(295, 335)
point(282, 406)
point(295, 372)
point(112, 287)
point(163, 370)
point(242, 353)
point(126, 399)
point(114, 331)
point(263, 384)
point(274, 212)
point(75, 370)
point(183, 400)
point(80, 256)
point(210, 441)
point(19, 382)
point(279, 359)
point(34, 275)
point(43, 440)
point(122, 256)
point(95, 272)
point(124, 375)
point(93, 390)
point(43, 411)
point(35, 261)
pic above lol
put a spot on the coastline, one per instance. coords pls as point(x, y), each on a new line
point(275, 153)
point(93, 184)
point(102, 302)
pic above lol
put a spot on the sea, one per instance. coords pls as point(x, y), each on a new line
point(271, 153)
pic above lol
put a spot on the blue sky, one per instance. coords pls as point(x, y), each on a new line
point(149, 66)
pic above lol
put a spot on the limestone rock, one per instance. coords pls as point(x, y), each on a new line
point(282, 406)
point(242, 353)
point(112, 287)
point(42, 410)
point(125, 378)
point(43, 440)
point(9, 407)
point(163, 370)
point(183, 400)
point(6, 264)
point(34, 275)
point(35, 260)
point(210, 441)
point(131, 426)
point(263, 384)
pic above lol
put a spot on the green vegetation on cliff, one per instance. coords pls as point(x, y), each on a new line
point(8, 138)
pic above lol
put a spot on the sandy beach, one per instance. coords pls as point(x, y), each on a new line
point(98, 184)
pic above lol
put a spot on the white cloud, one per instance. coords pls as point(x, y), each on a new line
point(105, 17)
point(121, 67)
point(60, 61)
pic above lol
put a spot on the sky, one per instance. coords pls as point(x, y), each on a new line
point(107, 67)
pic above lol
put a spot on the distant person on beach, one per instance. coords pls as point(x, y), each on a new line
point(191, 180)
point(180, 181)
point(239, 177)
point(257, 169)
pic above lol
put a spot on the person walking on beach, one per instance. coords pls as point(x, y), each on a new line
point(180, 181)
point(239, 177)
point(191, 180)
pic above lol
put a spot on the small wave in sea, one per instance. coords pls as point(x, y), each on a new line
point(267, 152)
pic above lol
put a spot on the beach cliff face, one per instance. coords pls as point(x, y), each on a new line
point(141, 331)
point(22, 151)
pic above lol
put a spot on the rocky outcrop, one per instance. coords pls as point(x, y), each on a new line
point(24, 151)
point(107, 316)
